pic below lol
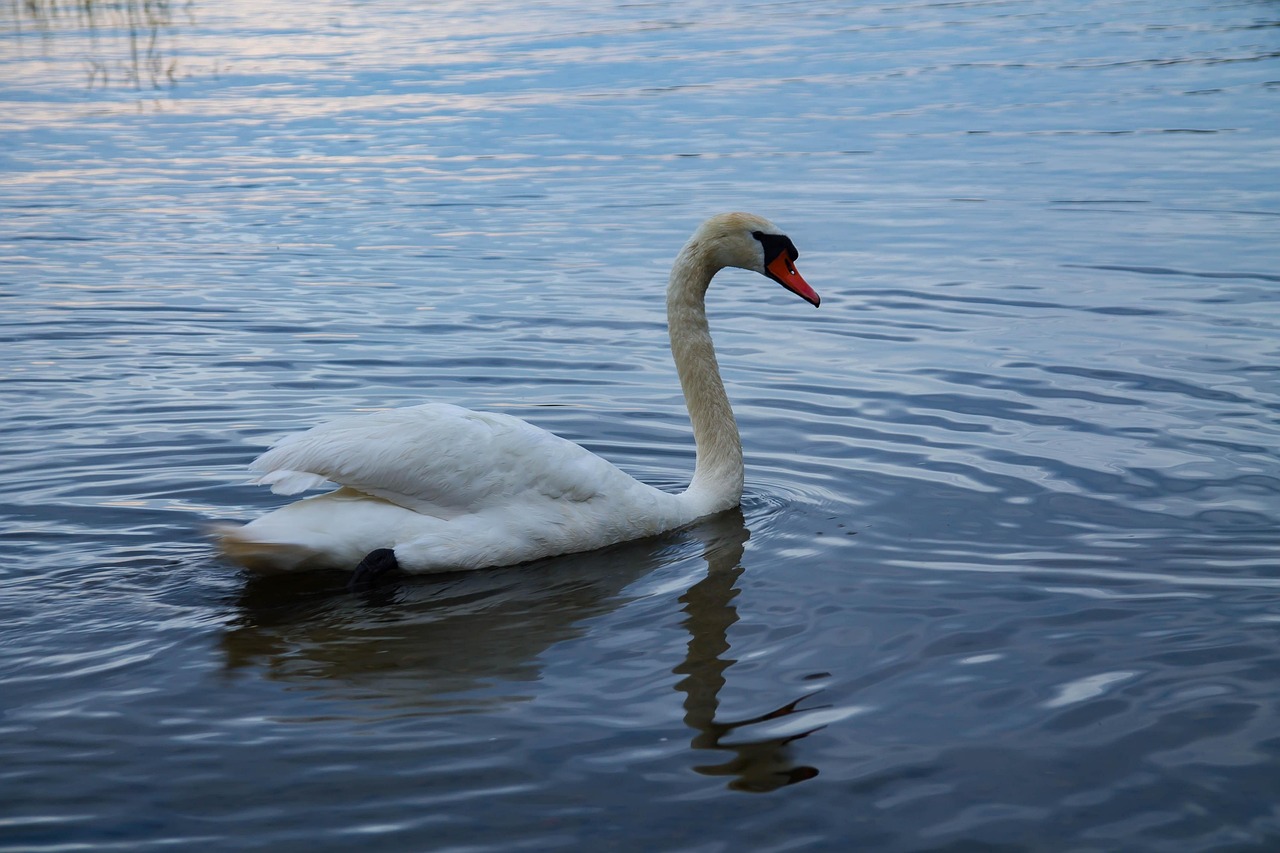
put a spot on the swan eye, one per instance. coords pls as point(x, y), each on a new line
point(776, 245)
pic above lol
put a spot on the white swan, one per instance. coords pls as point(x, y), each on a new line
point(437, 488)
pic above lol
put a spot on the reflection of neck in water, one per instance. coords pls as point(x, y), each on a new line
point(757, 765)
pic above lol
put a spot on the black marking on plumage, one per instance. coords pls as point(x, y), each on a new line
point(774, 245)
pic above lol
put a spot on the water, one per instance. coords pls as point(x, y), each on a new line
point(1005, 575)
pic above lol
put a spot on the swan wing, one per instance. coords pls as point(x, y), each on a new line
point(439, 460)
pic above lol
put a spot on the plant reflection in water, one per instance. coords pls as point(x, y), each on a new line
point(122, 41)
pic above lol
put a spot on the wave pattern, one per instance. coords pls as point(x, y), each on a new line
point(1005, 575)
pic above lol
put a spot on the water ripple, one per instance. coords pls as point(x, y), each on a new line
point(1005, 565)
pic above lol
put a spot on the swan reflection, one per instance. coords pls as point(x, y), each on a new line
point(471, 642)
point(755, 765)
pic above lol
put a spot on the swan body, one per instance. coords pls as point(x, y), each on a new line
point(440, 488)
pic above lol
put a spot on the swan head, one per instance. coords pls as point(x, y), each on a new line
point(752, 242)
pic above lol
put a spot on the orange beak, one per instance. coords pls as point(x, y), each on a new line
point(784, 273)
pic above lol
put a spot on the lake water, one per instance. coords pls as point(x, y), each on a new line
point(1007, 571)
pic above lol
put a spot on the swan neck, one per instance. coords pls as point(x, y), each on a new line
point(718, 475)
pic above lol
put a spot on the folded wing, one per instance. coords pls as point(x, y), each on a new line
point(439, 460)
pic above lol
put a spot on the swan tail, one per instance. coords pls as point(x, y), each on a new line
point(264, 558)
point(285, 482)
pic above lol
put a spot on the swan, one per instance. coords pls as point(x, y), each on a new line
point(435, 488)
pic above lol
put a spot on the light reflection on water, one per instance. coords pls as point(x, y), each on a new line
point(1005, 569)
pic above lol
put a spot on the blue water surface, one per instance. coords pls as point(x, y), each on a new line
point(1007, 571)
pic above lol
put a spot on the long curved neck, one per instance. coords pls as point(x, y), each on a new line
point(717, 478)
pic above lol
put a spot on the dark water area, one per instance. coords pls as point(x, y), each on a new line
point(1007, 571)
